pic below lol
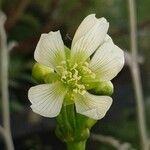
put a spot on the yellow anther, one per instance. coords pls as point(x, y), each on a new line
point(77, 77)
point(80, 86)
point(74, 66)
point(70, 74)
point(82, 92)
point(86, 64)
point(70, 80)
point(74, 76)
point(63, 77)
point(75, 90)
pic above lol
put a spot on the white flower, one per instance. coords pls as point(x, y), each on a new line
point(75, 71)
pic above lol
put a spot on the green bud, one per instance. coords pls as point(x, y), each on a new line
point(102, 88)
point(40, 71)
point(51, 77)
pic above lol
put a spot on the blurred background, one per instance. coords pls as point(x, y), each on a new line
point(26, 20)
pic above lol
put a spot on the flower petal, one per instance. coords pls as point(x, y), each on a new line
point(50, 49)
point(108, 61)
point(84, 27)
point(90, 34)
point(47, 99)
point(93, 106)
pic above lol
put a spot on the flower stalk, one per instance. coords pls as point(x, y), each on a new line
point(76, 145)
point(73, 128)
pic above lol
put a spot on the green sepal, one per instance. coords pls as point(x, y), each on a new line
point(90, 122)
point(85, 122)
point(39, 72)
point(65, 124)
point(71, 126)
point(68, 99)
point(81, 135)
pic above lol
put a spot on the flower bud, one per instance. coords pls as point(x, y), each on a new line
point(103, 88)
point(51, 77)
point(40, 71)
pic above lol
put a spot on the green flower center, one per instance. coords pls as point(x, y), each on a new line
point(76, 76)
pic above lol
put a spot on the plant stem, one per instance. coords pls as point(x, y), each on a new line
point(76, 145)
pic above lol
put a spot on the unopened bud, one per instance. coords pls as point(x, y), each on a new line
point(40, 71)
point(103, 88)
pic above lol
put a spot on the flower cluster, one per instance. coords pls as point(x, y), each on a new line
point(93, 58)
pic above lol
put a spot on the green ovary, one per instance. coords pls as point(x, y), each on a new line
point(75, 77)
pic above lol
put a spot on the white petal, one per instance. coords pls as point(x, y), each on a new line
point(107, 38)
point(108, 61)
point(93, 106)
point(90, 34)
point(84, 27)
point(50, 49)
point(47, 99)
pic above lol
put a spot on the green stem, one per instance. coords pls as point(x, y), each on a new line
point(76, 145)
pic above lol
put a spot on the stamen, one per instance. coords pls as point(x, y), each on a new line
point(86, 64)
point(73, 76)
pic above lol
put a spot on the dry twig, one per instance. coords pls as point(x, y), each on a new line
point(16, 13)
point(135, 72)
point(111, 141)
point(5, 130)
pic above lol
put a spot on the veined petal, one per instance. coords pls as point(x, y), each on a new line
point(88, 37)
point(108, 61)
point(107, 38)
point(92, 106)
point(47, 99)
point(84, 27)
point(50, 49)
